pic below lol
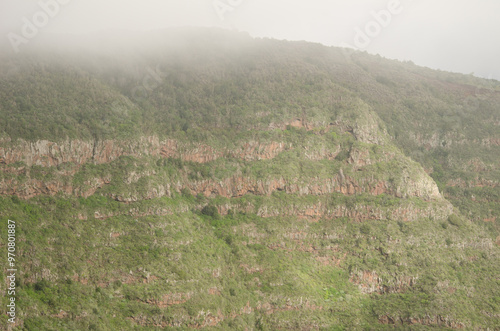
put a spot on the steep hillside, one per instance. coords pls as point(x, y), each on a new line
point(204, 179)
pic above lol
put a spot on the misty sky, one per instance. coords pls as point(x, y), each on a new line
point(452, 35)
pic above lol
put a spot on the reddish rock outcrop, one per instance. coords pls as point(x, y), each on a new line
point(357, 213)
point(369, 282)
point(253, 150)
point(63, 159)
point(49, 154)
point(427, 320)
point(237, 186)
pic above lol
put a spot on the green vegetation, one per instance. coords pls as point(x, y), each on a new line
point(170, 268)
point(259, 185)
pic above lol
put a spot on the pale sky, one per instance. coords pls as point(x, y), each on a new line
point(452, 35)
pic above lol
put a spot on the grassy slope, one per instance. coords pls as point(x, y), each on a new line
point(221, 264)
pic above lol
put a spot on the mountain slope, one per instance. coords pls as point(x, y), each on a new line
point(207, 179)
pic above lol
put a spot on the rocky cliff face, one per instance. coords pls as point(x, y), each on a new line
point(357, 213)
point(45, 167)
point(52, 154)
point(48, 153)
point(66, 158)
